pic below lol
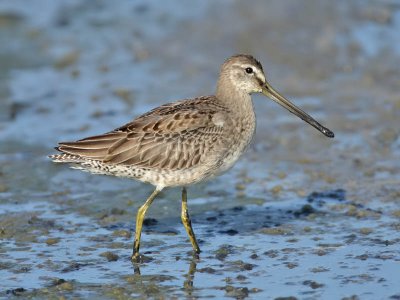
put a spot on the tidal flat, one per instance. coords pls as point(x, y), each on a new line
point(299, 217)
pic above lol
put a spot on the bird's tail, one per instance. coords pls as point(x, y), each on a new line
point(65, 158)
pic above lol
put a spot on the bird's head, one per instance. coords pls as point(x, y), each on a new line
point(245, 74)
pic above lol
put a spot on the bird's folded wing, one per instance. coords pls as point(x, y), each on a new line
point(166, 138)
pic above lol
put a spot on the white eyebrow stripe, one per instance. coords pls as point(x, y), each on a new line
point(257, 72)
point(244, 66)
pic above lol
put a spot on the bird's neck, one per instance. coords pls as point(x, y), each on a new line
point(234, 98)
point(242, 114)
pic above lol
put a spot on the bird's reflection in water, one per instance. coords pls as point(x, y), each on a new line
point(188, 283)
point(189, 276)
point(136, 268)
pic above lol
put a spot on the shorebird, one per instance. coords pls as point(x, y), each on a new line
point(184, 142)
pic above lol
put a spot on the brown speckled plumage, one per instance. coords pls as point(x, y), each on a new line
point(184, 142)
point(171, 137)
point(184, 136)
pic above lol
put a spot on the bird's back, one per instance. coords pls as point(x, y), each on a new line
point(185, 137)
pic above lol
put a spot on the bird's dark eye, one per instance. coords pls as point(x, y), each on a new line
point(249, 70)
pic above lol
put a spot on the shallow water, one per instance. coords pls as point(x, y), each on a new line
point(299, 216)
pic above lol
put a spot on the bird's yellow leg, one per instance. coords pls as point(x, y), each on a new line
point(187, 222)
point(139, 222)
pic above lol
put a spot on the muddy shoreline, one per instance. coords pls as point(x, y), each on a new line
point(300, 216)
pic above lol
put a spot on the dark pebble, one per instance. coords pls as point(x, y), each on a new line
point(57, 281)
point(229, 232)
point(207, 270)
point(238, 208)
point(313, 284)
point(150, 222)
point(338, 194)
point(16, 292)
point(305, 210)
point(72, 267)
point(254, 256)
point(241, 277)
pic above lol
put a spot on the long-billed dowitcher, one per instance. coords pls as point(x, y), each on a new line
point(183, 142)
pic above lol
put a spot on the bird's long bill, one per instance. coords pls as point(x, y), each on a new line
point(278, 98)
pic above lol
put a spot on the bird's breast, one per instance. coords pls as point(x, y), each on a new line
point(236, 142)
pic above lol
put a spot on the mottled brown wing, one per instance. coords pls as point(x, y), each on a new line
point(173, 136)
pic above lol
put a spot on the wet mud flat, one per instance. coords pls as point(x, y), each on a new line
point(308, 246)
point(299, 217)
